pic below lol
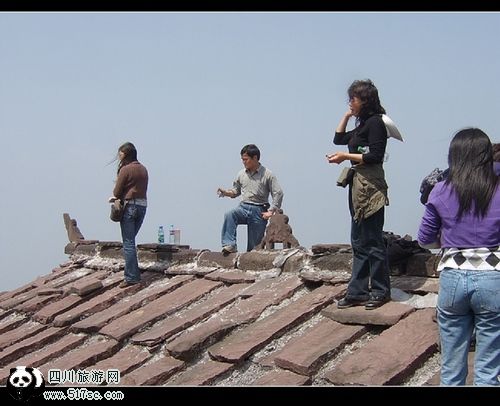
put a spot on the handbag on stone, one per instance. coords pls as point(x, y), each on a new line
point(345, 177)
point(117, 208)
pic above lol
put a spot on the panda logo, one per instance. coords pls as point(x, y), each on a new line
point(25, 383)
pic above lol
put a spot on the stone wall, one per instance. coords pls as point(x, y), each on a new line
point(327, 263)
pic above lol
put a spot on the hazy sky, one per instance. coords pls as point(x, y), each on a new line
point(190, 89)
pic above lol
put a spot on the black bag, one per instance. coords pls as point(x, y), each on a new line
point(345, 177)
point(117, 208)
point(437, 175)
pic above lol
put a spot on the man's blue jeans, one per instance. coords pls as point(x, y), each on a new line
point(248, 214)
point(133, 216)
point(469, 299)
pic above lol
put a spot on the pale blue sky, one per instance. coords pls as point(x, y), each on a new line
point(190, 89)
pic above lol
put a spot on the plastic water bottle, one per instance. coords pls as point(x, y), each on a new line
point(177, 237)
point(161, 235)
point(171, 235)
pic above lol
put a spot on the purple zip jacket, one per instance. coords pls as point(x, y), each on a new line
point(438, 223)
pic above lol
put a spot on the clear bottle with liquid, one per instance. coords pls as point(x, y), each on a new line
point(171, 235)
point(161, 235)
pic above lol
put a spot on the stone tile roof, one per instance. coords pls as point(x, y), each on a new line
point(201, 318)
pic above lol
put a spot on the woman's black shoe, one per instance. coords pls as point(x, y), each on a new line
point(345, 303)
point(376, 302)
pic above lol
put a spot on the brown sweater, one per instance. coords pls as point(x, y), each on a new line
point(132, 182)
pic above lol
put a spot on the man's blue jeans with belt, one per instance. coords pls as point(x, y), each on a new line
point(248, 214)
point(133, 216)
point(469, 299)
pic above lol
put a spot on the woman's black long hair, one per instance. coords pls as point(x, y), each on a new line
point(470, 159)
point(130, 155)
point(366, 91)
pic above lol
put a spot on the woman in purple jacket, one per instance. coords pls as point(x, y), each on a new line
point(462, 217)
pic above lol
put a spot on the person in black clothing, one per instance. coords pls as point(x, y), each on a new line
point(428, 183)
point(370, 283)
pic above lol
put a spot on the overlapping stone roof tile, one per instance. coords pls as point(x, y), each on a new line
point(201, 318)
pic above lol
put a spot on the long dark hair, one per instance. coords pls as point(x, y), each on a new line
point(470, 160)
point(130, 155)
point(365, 91)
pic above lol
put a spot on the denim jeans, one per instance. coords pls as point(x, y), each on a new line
point(248, 214)
point(133, 216)
point(370, 276)
point(468, 300)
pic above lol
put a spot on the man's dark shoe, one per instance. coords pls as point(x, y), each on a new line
point(346, 302)
point(375, 302)
point(228, 249)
